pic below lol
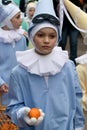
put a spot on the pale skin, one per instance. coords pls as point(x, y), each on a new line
point(31, 12)
point(45, 40)
point(16, 22)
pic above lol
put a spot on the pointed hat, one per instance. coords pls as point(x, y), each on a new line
point(78, 15)
point(45, 11)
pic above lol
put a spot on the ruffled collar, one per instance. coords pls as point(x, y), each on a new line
point(82, 59)
point(40, 64)
point(10, 36)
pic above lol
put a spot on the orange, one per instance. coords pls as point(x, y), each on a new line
point(5, 126)
point(34, 112)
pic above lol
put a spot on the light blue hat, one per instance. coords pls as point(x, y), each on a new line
point(7, 12)
point(44, 13)
point(45, 10)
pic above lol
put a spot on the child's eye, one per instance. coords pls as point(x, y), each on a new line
point(52, 36)
point(18, 16)
point(40, 35)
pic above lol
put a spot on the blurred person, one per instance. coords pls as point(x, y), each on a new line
point(23, 4)
point(12, 39)
point(30, 9)
point(68, 30)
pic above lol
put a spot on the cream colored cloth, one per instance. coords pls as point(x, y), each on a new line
point(82, 75)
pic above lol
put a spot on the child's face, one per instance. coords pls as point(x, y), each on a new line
point(45, 40)
point(31, 12)
point(16, 21)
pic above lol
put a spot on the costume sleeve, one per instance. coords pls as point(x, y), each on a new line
point(16, 102)
point(82, 75)
point(1, 81)
point(79, 119)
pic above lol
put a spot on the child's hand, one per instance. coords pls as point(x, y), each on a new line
point(31, 121)
point(4, 88)
point(25, 34)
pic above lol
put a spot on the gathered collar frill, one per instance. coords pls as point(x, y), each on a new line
point(10, 36)
point(43, 65)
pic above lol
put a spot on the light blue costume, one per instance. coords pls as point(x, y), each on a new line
point(60, 99)
point(8, 59)
point(48, 82)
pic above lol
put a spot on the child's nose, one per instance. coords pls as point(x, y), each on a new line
point(46, 39)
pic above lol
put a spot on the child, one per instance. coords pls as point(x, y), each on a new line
point(30, 9)
point(45, 79)
point(11, 40)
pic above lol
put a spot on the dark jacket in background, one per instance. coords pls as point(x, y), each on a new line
point(85, 1)
point(22, 5)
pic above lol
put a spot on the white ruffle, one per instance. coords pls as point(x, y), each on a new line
point(82, 59)
point(10, 36)
point(43, 64)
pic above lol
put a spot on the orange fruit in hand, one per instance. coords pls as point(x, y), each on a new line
point(34, 112)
